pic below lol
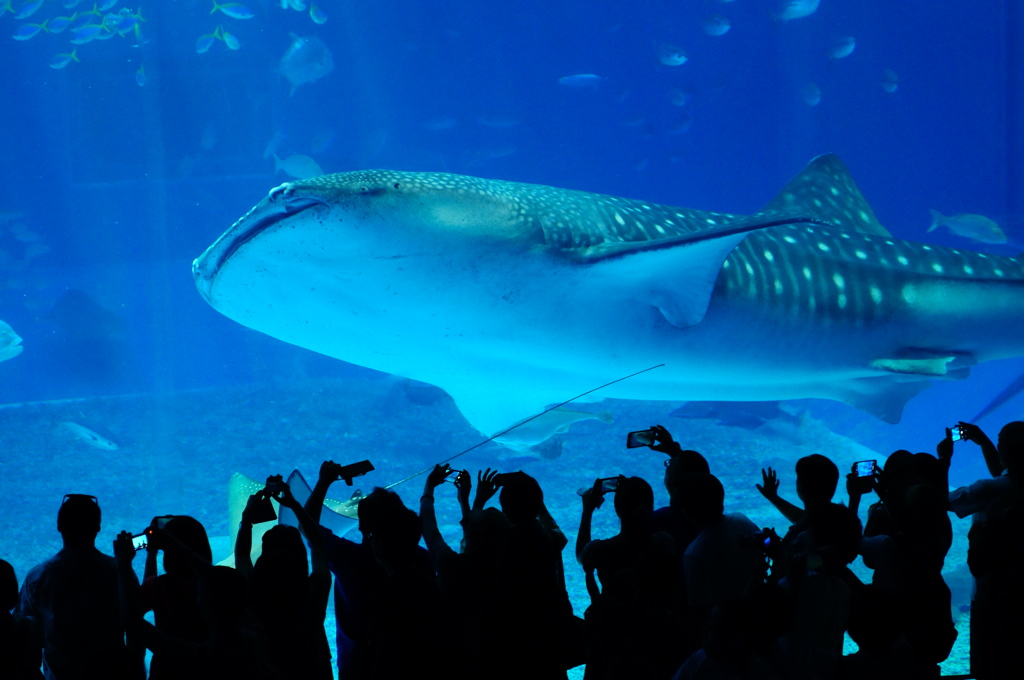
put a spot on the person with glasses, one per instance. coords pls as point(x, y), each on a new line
point(72, 601)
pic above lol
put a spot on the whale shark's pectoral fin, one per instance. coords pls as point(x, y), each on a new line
point(678, 272)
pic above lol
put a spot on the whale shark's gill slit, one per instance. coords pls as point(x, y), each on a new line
point(293, 208)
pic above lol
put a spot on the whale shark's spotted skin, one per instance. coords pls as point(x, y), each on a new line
point(514, 296)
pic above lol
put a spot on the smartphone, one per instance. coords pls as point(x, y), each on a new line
point(140, 541)
point(956, 432)
point(353, 470)
point(639, 438)
point(865, 468)
point(609, 484)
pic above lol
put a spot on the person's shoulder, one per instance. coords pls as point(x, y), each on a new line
point(739, 521)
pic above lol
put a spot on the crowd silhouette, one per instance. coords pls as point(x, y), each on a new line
point(693, 590)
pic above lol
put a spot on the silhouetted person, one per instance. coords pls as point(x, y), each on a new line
point(288, 598)
point(358, 575)
point(531, 602)
point(173, 595)
point(720, 564)
point(409, 624)
point(20, 655)
point(72, 597)
point(907, 558)
point(996, 560)
point(232, 647)
point(628, 629)
point(819, 587)
point(680, 463)
point(816, 481)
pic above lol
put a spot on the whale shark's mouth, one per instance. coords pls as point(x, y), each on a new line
point(281, 204)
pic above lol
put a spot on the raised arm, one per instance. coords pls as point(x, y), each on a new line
point(770, 490)
point(243, 540)
point(592, 499)
point(315, 503)
point(973, 433)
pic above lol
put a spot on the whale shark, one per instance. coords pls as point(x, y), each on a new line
point(513, 296)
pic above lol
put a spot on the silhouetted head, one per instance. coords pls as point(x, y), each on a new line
point(283, 553)
point(78, 519)
point(1011, 446)
point(702, 499)
point(395, 544)
point(190, 533)
point(521, 497)
point(634, 501)
point(8, 586)
point(378, 509)
point(928, 469)
point(898, 471)
point(681, 464)
point(836, 533)
point(816, 479)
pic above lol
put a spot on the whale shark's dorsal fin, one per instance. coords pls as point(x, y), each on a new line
point(826, 190)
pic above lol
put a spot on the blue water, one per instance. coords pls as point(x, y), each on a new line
point(110, 188)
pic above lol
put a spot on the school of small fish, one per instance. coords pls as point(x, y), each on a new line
point(71, 20)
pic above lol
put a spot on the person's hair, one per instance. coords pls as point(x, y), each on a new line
point(684, 463)
point(284, 549)
point(79, 516)
point(521, 497)
point(817, 477)
point(378, 509)
point(634, 499)
point(703, 498)
point(190, 533)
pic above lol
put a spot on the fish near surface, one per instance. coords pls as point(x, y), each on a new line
point(514, 296)
point(306, 60)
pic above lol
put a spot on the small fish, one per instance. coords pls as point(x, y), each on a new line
point(89, 437)
point(297, 5)
point(106, 4)
point(205, 42)
point(811, 94)
point(235, 10)
point(670, 55)
point(716, 25)
point(797, 9)
point(10, 342)
point(890, 81)
point(297, 166)
point(842, 48)
point(581, 81)
point(318, 16)
point(61, 60)
point(58, 24)
point(976, 227)
point(140, 76)
point(306, 60)
point(84, 34)
point(28, 31)
point(28, 9)
point(230, 40)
